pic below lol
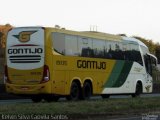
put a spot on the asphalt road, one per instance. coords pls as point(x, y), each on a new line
point(12, 101)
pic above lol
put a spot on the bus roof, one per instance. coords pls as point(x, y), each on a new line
point(101, 34)
point(93, 34)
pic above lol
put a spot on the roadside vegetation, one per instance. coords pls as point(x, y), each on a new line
point(107, 107)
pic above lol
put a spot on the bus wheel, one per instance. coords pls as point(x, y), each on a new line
point(105, 96)
point(36, 99)
point(86, 91)
point(138, 90)
point(51, 98)
point(74, 92)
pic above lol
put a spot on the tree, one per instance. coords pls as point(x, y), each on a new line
point(149, 43)
point(1, 35)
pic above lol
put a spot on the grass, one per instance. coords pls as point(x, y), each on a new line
point(123, 106)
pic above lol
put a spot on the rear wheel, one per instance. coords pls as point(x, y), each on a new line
point(86, 91)
point(138, 90)
point(74, 92)
point(36, 99)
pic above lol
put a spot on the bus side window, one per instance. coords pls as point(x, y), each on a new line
point(87, 52)
point(71, 45)
point(58, 42)
point(108, 50)
point(85, 47)
point(98, 48)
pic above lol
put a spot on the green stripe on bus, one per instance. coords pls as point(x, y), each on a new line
point(115, 73)
point(124, 74)
point(119, 74)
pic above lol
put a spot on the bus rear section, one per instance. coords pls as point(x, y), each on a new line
point(25, 69)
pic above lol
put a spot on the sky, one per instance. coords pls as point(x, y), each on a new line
point(130, 17)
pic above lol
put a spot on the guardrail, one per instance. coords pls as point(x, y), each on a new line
point(156, 78)
point(156, 82)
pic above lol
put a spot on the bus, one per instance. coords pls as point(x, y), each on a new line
point(49, 63)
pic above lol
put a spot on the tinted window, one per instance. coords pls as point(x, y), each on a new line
point(85, 46)
point(98, 48)
point(88, 47)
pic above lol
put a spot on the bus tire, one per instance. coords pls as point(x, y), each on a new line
point(105, 96)
point(74, 92)
point(86, 91)
point(138, 90)
point(36, 99)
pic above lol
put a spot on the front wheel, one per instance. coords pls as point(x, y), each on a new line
point(74, 92)
point(138, 90)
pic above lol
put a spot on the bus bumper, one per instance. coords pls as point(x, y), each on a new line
point(44, 88)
